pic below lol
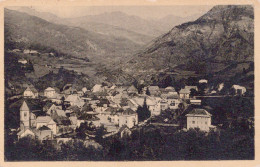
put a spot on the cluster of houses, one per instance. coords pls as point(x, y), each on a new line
point(112, 106)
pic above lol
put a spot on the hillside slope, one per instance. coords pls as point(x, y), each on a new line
point(89, 24)
point(224, 34)
point(221, 42)
point(77, 42)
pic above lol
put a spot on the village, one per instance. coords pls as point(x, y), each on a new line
point(115, 109)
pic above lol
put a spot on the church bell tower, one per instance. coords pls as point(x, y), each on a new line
point(24, 116)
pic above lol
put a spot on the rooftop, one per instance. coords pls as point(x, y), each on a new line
point(199, 112)
point(153, 88)
point(128, 111)
point(45, 119)
point(50, 89)
point(184, 91)
point(72, 98)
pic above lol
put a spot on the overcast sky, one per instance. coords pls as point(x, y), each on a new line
point(142, 11)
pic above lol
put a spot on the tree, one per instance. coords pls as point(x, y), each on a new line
point(193, 92)
point(83, 129)
point(146, 109)
point(148, 92)
point(140, 88)
point(143, 112)
point(62, 103)
point(99, 133)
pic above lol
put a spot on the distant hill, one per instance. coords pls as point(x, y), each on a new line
point(124, 21)
point(116, 24)
point(90, 24)
point(74, 41)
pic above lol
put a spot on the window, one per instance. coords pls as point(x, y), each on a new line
point(206, 123)
point(193, 122)
point(25, 114)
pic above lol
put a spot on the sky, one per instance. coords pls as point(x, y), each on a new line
point(147, 12)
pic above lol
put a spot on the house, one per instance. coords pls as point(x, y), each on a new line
point(74, 100)
point(57, 98)
point(173, 101)
point(27, 51)
point(46, 121)
point(132, 89)
point(238, 90)
point(84, 90)
point(74, 121)
point(154, 105)
point(101, 94)
point(154, 90)
point(195, 101)
point(30, 92)
point(129, 118)
point(97, 88)
point(132, 104)
point(164, 104)
point(49, 92)
point(201, 81)
point(22, 61)
point(191, 87)
point(64, 125)
point(44, 133)
point(124, 131)
point(26, 133)
point(55, 111)
point(50, 108)
point(199, 118)
point(169, 89)
point(16, 50)
point(184, 93)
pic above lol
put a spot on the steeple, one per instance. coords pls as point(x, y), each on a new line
point(25, 116)
point(24, 107)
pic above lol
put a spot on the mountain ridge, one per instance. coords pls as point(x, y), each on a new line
point(219, 39)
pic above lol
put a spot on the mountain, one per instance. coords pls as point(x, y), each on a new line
point(122, 20)
point(82, 52)
point(112, 31)
point(43, 15)
point(74, 41)
point(116, 24)
point(219, 42)
point(88, 24)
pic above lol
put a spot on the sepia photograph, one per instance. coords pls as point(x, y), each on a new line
point(129, 83)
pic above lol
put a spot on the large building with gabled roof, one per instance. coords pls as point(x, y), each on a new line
point(199, 118)
point(30, 92)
